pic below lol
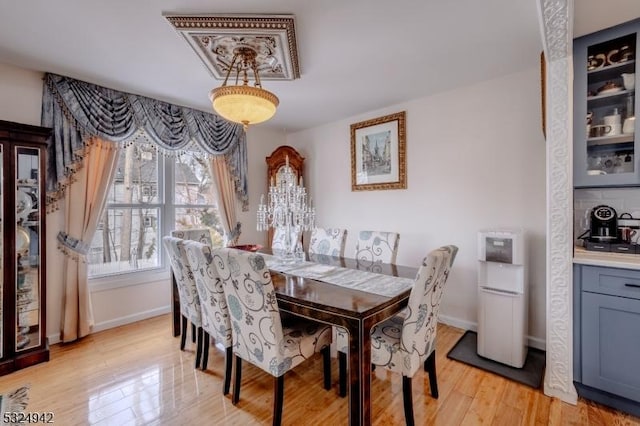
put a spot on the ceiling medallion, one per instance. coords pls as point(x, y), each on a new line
point(214, 38)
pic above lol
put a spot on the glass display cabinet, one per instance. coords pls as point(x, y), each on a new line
point(22, 217)
point(605, 128)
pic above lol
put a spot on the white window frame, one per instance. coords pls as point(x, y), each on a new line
point(166, 217)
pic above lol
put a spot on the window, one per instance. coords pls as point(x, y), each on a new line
point(150, 195)
point(194, 204)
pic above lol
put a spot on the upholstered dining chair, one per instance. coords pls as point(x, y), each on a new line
point(328, 241)
point(376, 246)
point(373, 248)
point(405, 344)
point(215, 314)
point(202, 235)
point(279, 238)
point(258, 334)
point(190, 308)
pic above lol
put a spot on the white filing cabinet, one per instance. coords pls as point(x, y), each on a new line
point(502, 296)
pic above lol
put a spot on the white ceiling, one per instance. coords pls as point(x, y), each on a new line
point(355, 55)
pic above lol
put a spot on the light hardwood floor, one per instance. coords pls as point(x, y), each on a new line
point(136, 375)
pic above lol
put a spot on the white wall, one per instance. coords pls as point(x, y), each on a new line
point(261, 142)
point(475, 159)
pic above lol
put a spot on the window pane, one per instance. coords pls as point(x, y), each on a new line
point(136, 179)
point(192, 180)
point(126, 240)
point(200, 217)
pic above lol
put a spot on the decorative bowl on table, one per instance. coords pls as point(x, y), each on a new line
point(248, 247)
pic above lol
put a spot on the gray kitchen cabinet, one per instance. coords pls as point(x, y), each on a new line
point(607, 336)
point(606, 149)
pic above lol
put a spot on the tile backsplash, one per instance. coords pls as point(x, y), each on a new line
point(623, 200)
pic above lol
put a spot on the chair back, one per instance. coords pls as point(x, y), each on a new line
point(279, 238)
point(420, 325)
point(202, 235)
point(256, 326)
point(328, 241)
point(215, 314)
point(376, 246)
point(188, 293)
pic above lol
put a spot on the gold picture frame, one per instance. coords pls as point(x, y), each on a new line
point(378, 153)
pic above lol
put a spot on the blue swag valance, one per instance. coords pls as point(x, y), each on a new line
point(78, 111)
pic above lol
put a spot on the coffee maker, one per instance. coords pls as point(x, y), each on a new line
point(604, 224)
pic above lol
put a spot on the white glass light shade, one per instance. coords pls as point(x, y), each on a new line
point(244, 104)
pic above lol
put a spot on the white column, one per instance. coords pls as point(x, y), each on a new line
point(556, 19)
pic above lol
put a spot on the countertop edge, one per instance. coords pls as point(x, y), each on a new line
point(597, 258)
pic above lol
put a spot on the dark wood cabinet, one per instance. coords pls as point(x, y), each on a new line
point(23, 339)
point(275, 164)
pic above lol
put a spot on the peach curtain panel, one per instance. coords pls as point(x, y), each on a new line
point(225, 189)
point(84, 202)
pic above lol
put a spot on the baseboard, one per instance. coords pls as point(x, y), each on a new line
point(458, 323)
point(54, 338)
point(533, 342)
point(138, 316)
point(116, 322)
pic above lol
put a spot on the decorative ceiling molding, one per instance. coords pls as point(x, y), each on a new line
point(214, 38)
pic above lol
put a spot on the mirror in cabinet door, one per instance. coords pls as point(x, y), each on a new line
point(2, 239)
point(605, 145)
point(27, 252)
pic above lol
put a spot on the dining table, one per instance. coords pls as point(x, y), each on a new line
point(354, 294)
point(349, 293)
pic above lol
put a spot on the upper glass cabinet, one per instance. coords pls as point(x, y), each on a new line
point(605, 143)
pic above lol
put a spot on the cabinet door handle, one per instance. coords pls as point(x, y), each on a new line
point(632, 285)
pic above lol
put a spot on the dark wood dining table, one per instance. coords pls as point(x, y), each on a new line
point(355, 310)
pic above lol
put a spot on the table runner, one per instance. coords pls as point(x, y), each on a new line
point(371, 282)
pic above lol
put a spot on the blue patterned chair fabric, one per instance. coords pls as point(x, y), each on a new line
point(202, 235)
point(328, 241)
point(375, 246)
point(215, 314)
point(404, 344)
point(279, 237)
point(257, 331)
point(188, 293)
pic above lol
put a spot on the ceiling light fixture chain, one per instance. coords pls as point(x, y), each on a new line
point(243, 103)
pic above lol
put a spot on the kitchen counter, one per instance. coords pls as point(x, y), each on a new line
point(599, 258)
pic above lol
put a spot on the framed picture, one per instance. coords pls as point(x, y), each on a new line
point(378, 153)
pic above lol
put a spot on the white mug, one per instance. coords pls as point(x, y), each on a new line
point(611, 120)
point(616, 129)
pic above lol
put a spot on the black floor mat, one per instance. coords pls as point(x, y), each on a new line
point(530, 374)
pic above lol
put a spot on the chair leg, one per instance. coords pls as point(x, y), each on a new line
point(326, 366)
point(278, 396)
point(199, 348)
point(183, 335)
point(342, 367)
point(228, 363)
point(193, 333)
point(408, 400)
point(236, 382)
point(430, 367)
point(205, 350)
